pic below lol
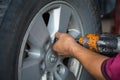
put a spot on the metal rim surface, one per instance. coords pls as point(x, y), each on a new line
point(37, 60)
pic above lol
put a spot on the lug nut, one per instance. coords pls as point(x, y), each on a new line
point(60, 69)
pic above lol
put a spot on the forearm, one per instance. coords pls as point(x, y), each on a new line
point(91, 61)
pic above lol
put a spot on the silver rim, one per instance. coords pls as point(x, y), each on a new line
point(37, 60)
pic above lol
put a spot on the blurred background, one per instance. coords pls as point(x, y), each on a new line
point(110, 15)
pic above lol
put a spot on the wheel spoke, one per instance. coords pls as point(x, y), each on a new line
point(74, 65)
point(65, 14)
point(53, 25)
point(63, 73)
point(39, 35)
point(31, 69)
point(59, 20)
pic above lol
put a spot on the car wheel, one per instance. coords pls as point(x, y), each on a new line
point(27, 34)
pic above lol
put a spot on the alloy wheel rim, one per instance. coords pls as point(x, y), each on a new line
point(41, 61)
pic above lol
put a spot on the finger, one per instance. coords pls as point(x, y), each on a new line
point(54, 47)
point(57, 35)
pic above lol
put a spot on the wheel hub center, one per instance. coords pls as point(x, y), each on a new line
point(51, 59)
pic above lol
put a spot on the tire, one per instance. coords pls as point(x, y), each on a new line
point(16, 19)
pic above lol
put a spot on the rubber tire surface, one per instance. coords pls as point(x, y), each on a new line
point(16, 20)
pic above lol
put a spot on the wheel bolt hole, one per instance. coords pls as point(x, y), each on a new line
point(48, 74)
point(42, 65)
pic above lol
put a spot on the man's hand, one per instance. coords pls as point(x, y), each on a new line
point(64, 45)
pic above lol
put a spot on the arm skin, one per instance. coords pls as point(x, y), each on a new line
point(67, 46)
